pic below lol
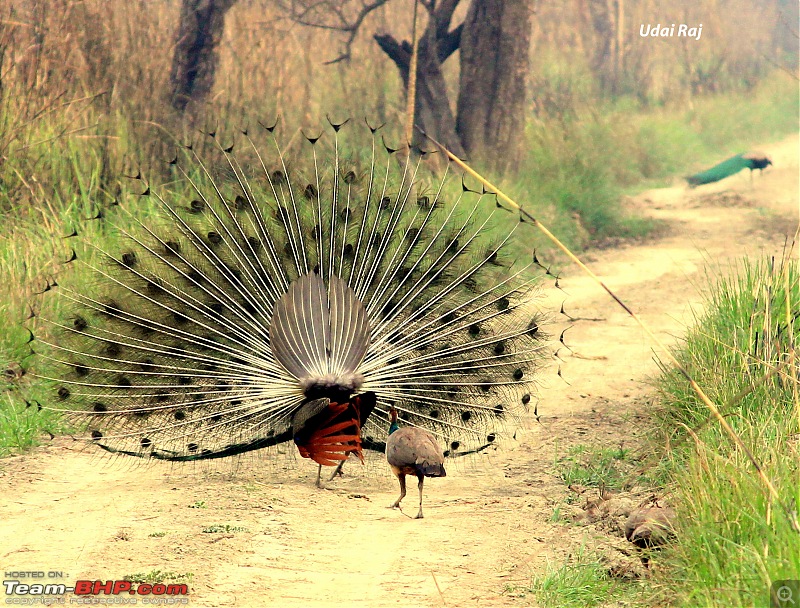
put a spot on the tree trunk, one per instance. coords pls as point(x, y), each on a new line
point(495, 46)
point(619, 57)
point(194, 63)
point(604, 20)
point(433, 112)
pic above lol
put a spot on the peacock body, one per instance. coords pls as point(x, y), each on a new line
point(731, 166)
point(262, 297)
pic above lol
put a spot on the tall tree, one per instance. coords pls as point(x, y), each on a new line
point(194, 63)
point(492, 91)
point(437, 42)
point(494, 41)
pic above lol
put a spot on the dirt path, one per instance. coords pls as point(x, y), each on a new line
point(488, 524)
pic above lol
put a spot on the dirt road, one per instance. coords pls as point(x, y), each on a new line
point(488, 523)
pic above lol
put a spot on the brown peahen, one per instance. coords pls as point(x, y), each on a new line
point(260, 298)
point(412, 451)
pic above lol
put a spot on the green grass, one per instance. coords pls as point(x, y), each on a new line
point(733, 540)
point(224, 528)
point(593, 467)
point(158, 576)
point(23, 424)
point(581, 581)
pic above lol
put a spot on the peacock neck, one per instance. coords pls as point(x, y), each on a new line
point(393, 426)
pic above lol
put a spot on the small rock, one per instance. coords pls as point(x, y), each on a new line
point(650, 527)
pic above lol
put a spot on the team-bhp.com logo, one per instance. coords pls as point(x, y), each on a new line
point(87, 592)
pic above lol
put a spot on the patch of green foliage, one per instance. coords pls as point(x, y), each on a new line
point(734, 540)
point(158, 576)
point(594, 467)
point(226, 528)
point(22, 424)
point(581, 581)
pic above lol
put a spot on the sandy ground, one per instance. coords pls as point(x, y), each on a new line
point(488, 525)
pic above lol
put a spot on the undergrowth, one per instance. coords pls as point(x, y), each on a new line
point(734, 540)
point(159, 576)
point(581, 164)
point(600, 467)
point(581, 581)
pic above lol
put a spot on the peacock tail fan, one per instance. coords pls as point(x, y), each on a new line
point(257, 281)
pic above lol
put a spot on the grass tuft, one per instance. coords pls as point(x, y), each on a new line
point(23, 424)
point(733, 541)
point(582, 581)
point(159, 576)
point(594, 467)
point(226, 528)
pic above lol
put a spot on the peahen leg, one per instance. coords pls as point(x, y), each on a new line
point(402, 479)
point(419, 485)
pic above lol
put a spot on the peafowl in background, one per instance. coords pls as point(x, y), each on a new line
point(294, 297)
point(731, 166)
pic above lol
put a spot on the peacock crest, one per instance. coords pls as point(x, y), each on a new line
point(262, 296)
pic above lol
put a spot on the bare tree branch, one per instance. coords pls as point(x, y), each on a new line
point(348, 16)
point(332, 15)
point(437, 43)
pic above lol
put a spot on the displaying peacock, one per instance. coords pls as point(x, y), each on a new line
point(731, 166)
point(263, 297)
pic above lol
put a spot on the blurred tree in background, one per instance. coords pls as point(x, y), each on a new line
point(195, 60)
point(494, 43)
point(110, 74)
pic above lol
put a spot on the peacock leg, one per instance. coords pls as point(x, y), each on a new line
point(338, 470)
point(319, 477)
point(402, 479)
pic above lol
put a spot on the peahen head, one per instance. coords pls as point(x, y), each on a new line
point(393, 426)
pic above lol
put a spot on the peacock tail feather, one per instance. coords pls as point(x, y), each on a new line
point(289, 280)
point(729, 167)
